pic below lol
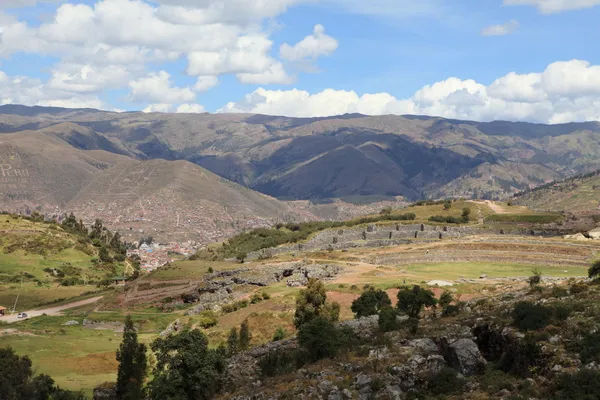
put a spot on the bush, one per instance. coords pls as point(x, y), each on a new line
point(520, 356)
point(450, 311)
point(279, 363)
point(588, 348)
point(255, 298)
point(320, 338)
point(208, 319)
point(578, 287)
point(279, 334)
point(446, 382)
point(594, 271)
point(388, 320)
point(582, 385)
point(266, 296)
point(528, 316)
point(536, 278)
point(559, 292)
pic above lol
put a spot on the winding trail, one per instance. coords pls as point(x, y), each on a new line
point(50, 311)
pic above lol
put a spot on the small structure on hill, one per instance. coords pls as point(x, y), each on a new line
point(119, 280)
point(2, 311)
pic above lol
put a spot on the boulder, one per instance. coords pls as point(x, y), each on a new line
point(424, 346)
point(594, 234)
point(71, 323)
point(464, 356)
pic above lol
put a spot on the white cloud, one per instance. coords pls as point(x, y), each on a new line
point(311, 47)
point(554, 6)
point(23, 3)
point(501, 30)
point(204, 83)
point(160, 107)
point(29, 91)
point(190, 108)
point(563, 92)
point(275, 75)
point(156, 88)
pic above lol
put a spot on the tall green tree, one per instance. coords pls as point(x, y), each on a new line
point(370, 302)
point(411, 301)
point(245, 336)
point(320, 338)
point(186, 368)
point(233, 341)
point(312, 302)
point(133, 364)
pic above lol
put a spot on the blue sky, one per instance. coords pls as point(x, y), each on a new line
point(531, 60)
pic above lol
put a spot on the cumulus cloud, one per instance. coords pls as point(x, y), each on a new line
point(206, 82)
point(156, 88)
point(311, 47)
point(563, 92)
point(190, 108)
point(501, 30)
point(554, 6)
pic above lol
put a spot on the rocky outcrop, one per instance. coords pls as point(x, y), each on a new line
point(464, 356)
point(106, 391)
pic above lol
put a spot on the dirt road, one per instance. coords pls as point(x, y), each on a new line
point(50, 311)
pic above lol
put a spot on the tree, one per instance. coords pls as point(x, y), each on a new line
point(104, 256)
point(370, 302)
point(466, 212)
point(594, 271)
point(447, 205)
point(320, 338)
point(232, 341)
point(536, 278)
point(446, 299)
point(241, 257)
point(97, 229)
point(412, 301)
point(245, 336)
point(17, 381)
point(186, 368)
point(312, 302)
point(131, 356)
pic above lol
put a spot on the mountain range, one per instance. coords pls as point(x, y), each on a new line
point(88, 160)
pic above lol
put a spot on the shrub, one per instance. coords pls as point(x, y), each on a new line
point(450, 311)
point(559, 292)
point(536, 278)
point(278, 363)
point(582, 385)
point(266, 296)
point(279, 334)
point(446, 382)
point(388, 320)
point(594, 271)
point(520, 356)
point(320, 338)
point(528, 316)
point(255, 298)
point(210, 270)
point(578, 287)
point(560, 313)
point(208, 319)
point(241, 257)
point(588, 348)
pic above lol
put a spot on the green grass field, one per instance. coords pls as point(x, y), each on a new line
point(536, 218)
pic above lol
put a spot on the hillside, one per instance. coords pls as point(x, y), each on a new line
point(350, 155)
point(43, 262)
point(579, 194)
point(174, 200)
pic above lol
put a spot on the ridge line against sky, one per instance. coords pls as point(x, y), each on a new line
point(522, 60)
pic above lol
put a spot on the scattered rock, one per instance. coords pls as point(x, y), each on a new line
point(71, 323)
point(464, 356)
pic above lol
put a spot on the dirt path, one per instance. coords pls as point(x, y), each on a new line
point(50, 311)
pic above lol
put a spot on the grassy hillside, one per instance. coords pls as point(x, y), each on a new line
point(578, 194)
point(42, 263)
